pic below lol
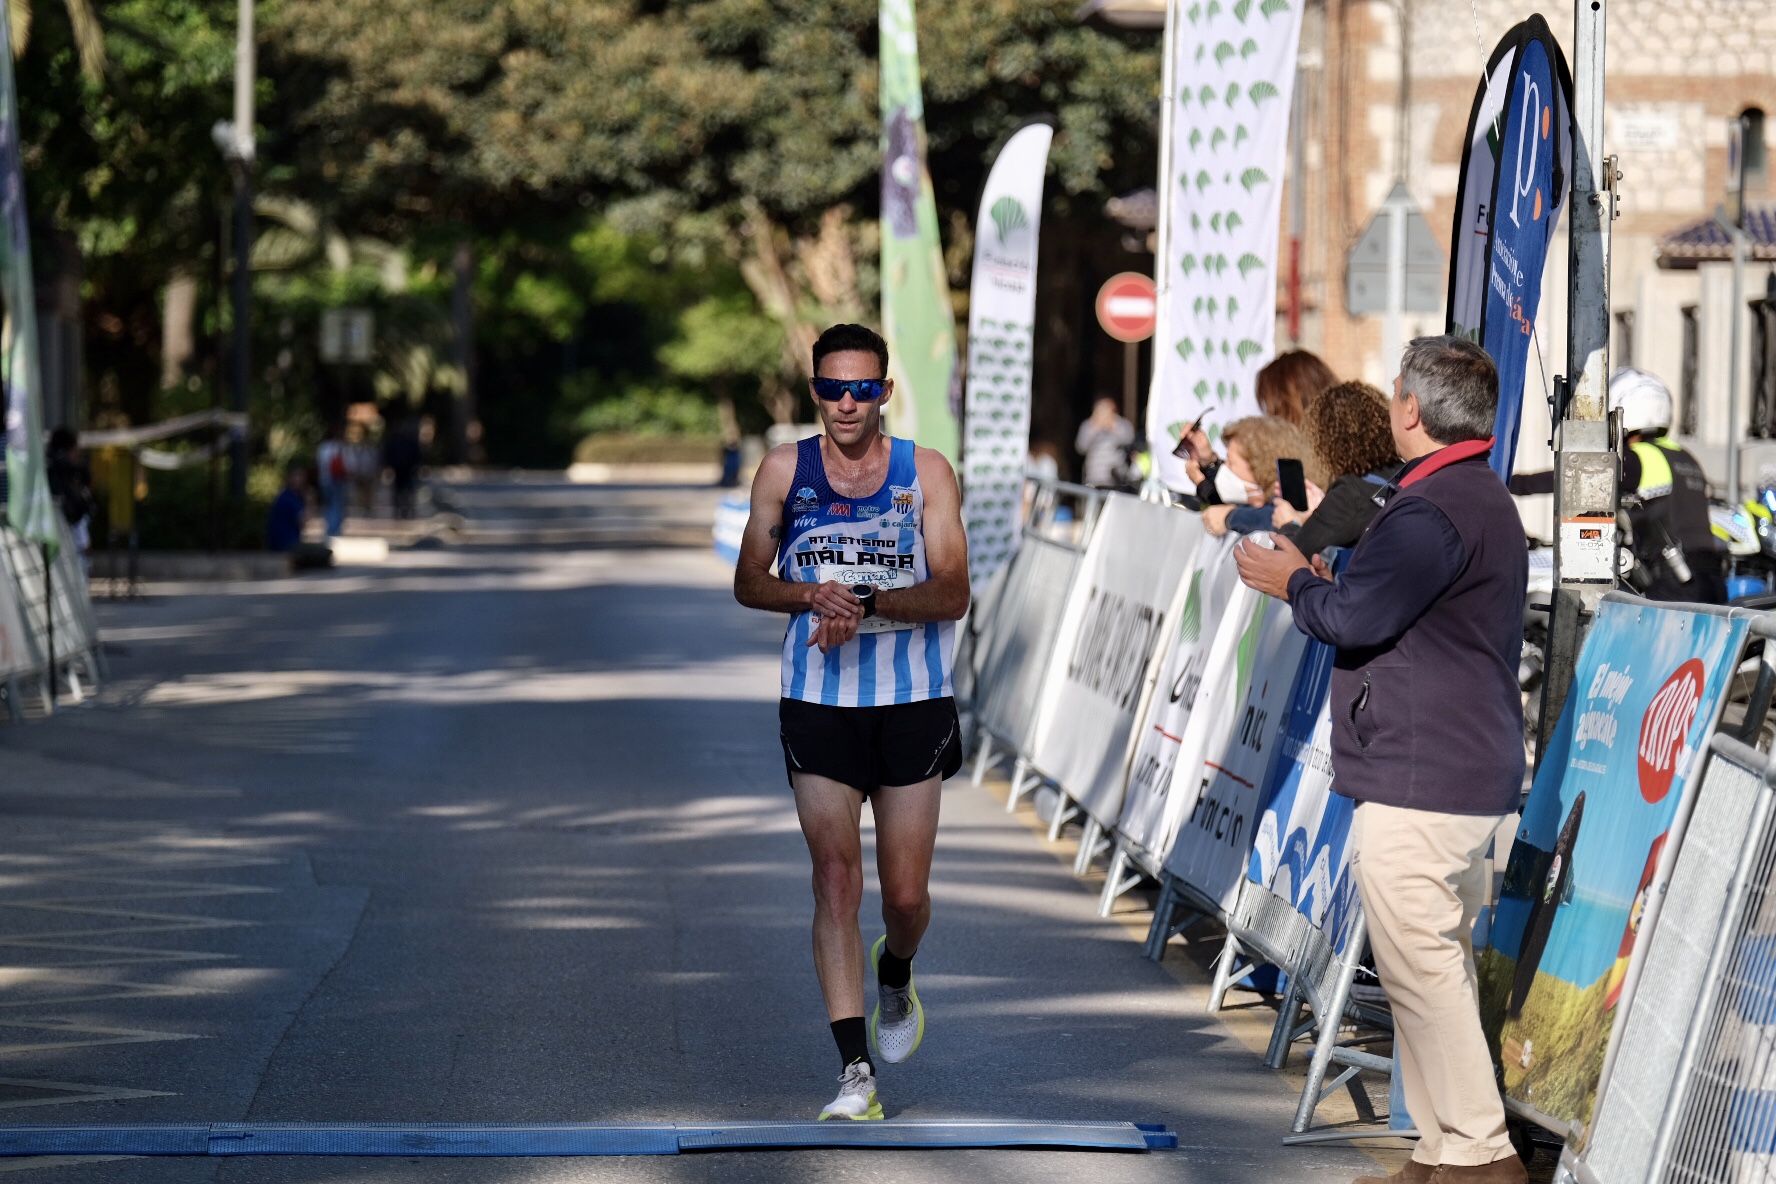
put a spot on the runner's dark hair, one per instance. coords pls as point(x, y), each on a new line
point(848, 338)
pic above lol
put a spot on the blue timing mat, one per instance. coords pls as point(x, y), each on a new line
point(516, 1139)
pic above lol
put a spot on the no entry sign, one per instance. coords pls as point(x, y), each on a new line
point(1127, 304)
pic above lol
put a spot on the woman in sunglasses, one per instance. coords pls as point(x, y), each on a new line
point(871, 562)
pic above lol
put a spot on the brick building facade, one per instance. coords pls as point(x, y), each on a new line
point(1387, 86)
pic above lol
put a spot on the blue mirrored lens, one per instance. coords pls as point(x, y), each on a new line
point(863, 390)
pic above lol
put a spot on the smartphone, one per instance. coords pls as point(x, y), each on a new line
point(1182, 449)
point(1292, 480)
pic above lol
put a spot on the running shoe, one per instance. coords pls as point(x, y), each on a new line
point(897, 1026)
point(857, 1095)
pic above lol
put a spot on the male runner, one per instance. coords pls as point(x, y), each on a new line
point(866, 534)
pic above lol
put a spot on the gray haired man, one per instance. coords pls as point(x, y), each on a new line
point(1427, 734)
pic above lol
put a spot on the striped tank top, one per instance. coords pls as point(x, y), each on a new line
point(879, 539)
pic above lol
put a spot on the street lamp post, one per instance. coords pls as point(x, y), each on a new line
point(235, 139)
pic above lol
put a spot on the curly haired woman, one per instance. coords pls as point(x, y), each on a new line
point(1347, 427)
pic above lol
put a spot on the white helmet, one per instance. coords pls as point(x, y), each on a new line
point(1644, 401)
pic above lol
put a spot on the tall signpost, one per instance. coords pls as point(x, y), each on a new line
point(1732, 219)
point(1585, 458)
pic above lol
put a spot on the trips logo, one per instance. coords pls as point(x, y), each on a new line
point(1665, 727)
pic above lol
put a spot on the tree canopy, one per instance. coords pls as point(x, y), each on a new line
point(733, 143)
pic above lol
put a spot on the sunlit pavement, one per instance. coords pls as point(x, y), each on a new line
point(497, 831)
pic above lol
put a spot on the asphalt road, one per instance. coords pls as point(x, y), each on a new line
point(498, 832)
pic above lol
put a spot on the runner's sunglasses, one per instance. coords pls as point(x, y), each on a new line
point(863, 390)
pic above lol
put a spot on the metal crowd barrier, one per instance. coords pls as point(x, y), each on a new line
point(1690, 1095)
point(1058, 525)
point(57, 616)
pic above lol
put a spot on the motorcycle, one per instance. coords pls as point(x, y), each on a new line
point(1747, 532)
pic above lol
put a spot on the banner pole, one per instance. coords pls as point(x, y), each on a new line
point(1585, 456)
point(49, 618)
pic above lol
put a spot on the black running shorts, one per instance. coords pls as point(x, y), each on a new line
point(869, 747)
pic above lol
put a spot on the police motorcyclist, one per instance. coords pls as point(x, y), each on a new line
point(1665, 494)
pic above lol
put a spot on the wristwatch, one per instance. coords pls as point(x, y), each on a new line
point(866, 596)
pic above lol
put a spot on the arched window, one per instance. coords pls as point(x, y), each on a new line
point(1756, 157)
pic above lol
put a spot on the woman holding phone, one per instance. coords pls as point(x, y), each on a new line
point(1248, 479)
point(1347, 429)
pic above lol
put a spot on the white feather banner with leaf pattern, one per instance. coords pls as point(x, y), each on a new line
point(1230, 83)
point(1001, 328)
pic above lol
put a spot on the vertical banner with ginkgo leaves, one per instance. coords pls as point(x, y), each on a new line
point(1231, 81)
point(1001, 332)
point(917, 319)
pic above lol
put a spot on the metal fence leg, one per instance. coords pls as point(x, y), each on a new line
point(1118, 881)
point(1089, 841)
point(1227, 972)
point(1065, 812)
point(1159, 933)
point(983, 760)
point(1330, 1024)
point(1021, 783)
point(1288, 1019)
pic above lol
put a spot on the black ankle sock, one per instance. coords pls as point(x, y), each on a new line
point(852, 1037)
point(892, 970)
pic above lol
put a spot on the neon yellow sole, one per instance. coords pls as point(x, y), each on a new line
point(873, 1114)
point(875, 1019)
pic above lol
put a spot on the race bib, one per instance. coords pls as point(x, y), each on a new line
point(882, 577)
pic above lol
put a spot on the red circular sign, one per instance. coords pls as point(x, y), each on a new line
point(1127, 305)
point(1666, 726)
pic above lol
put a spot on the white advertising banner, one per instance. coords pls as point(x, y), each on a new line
point(1246, 635)
point(1191, 627)
point(1126, 582)
point(1224, 788)
point(1230, 80)
point(1019, 640)
point(16, 653)
point(1001, 332)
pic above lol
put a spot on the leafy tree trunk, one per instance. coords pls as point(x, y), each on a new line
point(178, 336)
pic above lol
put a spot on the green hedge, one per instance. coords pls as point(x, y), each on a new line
point(176, 514)
point(622, 448)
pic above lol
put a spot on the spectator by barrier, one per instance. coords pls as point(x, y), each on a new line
point(1633, 731)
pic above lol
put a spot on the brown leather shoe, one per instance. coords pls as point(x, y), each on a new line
point(1508, 1170)
point(1413, 1173)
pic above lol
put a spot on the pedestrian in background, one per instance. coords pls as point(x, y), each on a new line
point(1348, 429)
point(402, 453)
point(70, 483)
point(334, 465)
point(289, 510)
point(1104, 441)
point(1428, 735)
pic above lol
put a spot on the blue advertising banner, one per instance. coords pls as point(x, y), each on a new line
point(1513, 186)
point(1300, 852)
point(1646, 694)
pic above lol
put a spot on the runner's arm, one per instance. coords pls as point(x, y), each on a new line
point(754, 584)
point(943, 594)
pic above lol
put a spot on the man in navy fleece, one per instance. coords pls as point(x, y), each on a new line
point(1427, 734)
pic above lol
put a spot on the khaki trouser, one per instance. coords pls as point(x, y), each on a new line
point(1424, 878)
